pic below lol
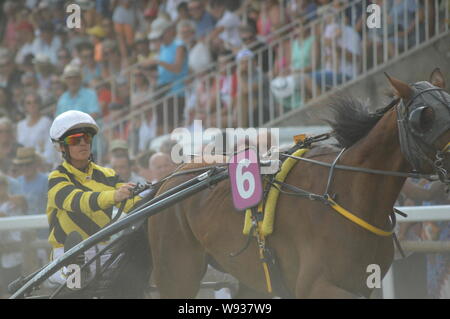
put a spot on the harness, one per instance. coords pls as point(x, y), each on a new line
point(412, 145)
point(415, 143)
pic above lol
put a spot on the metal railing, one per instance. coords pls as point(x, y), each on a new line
point(233, 94)
point(415, 214)
point(418, 214)
point(240, 94)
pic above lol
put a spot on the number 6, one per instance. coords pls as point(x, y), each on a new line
point(241, 177)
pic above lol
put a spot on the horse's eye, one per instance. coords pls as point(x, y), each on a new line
point(421, 119)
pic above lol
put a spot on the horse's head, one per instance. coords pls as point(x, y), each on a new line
point(424, 124)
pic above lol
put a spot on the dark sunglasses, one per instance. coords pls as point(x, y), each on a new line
point(75, 139)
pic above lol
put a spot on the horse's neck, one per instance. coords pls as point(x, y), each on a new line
point(375, 195)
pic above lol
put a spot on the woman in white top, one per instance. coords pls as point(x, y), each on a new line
point(34, 129)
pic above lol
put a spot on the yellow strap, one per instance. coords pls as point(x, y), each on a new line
point(274, 192)
point(357, 220)
point(261, 251)
point(446, 148)
point(267, 275)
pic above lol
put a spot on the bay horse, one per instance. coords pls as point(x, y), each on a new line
point(320, 253)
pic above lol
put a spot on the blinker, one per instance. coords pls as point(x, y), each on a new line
point(415, 120)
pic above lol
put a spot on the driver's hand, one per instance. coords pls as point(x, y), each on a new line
point(123, 192)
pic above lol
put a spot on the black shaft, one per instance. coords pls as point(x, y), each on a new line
point(197, 184)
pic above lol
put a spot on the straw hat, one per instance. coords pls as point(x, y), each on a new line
point(42, 59)
point(97, 31)
point(118, 145)
point(25, 155)
point(159, 26)
point(71, 70)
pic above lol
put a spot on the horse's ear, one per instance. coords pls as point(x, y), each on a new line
point(437, 78)
point(402, 89)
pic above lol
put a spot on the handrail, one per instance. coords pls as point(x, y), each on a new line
point(360, 64)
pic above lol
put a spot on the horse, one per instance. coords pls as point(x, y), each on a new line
point(319, 253)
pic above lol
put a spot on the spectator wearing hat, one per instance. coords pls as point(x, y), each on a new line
point(33, 186)
point(204, 21)
point(173, 68)
point(97, 35)
point(26, 38)
point(77, 97)
point(33, 183)
point(47, 43)
point(9, 72)
point(89, 68)
point(8, 144)
point(118, 148)
point(33, 131)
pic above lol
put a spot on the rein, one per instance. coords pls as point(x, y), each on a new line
point(329, 200)
point(365, 170)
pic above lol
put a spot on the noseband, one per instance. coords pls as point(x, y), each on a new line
point(416, 146)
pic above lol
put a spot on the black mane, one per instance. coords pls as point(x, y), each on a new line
point(352, 119)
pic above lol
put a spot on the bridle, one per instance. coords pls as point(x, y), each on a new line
point(416, 143)
point(411, 141)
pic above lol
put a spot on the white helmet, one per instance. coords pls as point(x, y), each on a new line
point(71, 120)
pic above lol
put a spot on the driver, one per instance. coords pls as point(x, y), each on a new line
point(81, 194)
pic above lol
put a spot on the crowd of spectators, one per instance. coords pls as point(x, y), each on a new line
point(213, 60)
point(173, 57)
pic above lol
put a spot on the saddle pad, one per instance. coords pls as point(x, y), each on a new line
point(272, 197)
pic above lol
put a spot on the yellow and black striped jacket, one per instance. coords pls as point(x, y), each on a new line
point(81, 201)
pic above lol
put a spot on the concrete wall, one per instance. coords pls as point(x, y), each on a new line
point(412, 67)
